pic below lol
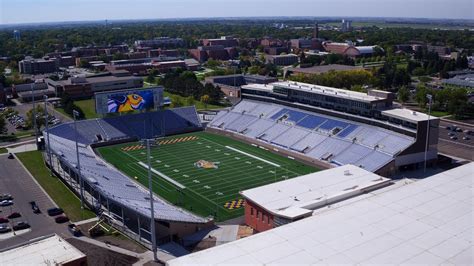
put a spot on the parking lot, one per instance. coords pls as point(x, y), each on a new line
point(16, 117)
point(16, 181)
point(456, 142)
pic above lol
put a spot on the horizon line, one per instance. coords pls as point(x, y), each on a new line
point(229, 18)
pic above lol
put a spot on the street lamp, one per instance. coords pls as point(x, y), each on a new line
point(47, 133)
point(430, 98)
point(152, 222)
point(75, 114)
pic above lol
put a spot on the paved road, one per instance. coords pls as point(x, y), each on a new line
point(459, 148)
point(17, 182)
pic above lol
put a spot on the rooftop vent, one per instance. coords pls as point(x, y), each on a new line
point(347, 172)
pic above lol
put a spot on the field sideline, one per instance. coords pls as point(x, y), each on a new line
point(204, 172)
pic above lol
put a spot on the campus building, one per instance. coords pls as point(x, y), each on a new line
point(37, 66)
point(85, 87)
point(282, 60)
point(349, 49)
point(161, 42)
point(280, 203)
point(230, 84)
point(226, 41)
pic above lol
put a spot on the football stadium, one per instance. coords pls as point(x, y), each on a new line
point(203, 172)
point(200, 163)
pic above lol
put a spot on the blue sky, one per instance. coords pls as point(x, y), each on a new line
point(26, 11)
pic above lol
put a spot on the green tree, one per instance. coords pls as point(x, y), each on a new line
point(403, 94)
point(40, 115)
point(420, 97)
point(190, 101)
point(205, 100)
point(150, 78)
point(3, 124)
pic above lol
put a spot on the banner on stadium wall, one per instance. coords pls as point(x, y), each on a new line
point(129, 100)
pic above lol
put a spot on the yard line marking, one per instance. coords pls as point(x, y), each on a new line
point(185, 175)
point(176, 170)
point(167, 178)
point(259, 166)
point(158, 161)
point(252, 156)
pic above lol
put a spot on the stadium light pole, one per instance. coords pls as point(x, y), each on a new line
point(75, 114)
point(430, 97)
point(34, 115)
point(152, 222)
point(47, 132)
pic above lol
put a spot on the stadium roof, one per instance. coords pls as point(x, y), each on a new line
point(408, 114)
point(317, 89)
point(48, 250)
point(426, 222)
point(298, 196)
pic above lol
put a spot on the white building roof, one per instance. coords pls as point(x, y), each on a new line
point(427, 222)
point(340, 93)
point(300, 195)
point(406, 114)
point(52, 250)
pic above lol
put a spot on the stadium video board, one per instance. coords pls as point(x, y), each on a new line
point(128, 100)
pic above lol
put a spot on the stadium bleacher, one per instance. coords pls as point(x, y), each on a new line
point(109, 182)
point(318, 136)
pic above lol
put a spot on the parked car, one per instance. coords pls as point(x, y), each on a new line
point(6, 203)
point(55, 211)
point(3, 220)
point(5, 197)
point(75, 231)
point(454, 138)
point(451, 134)
point(14, 215)
point(34, 207)
point(21, 226)
point(10, 156)
point(61, 219)
point(466, 138)
point(4, 228)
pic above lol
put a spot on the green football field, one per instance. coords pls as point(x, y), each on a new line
point(203, 172)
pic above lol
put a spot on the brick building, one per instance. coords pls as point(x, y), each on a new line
point(216, 52)
point(225, 41)
point(282, 60)
point(37, 66)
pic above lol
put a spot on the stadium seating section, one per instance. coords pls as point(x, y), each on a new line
point(321, 137)
point(109, 182)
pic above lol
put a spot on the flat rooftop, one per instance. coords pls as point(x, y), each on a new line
point(49, 250)
point(317, 89)
point(301, 195)
point(407, 114)
point(426, 222)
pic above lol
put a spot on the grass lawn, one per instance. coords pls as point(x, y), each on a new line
point(87, 106)
point(3, 150)
point(207, 190)
point(66, 200)
point(438, 113)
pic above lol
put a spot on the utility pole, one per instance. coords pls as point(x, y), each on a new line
point(152, 222)
point(47, 133)
point(430, 97)
point(75, 114)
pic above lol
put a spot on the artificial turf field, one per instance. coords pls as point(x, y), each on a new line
point(214, 191)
